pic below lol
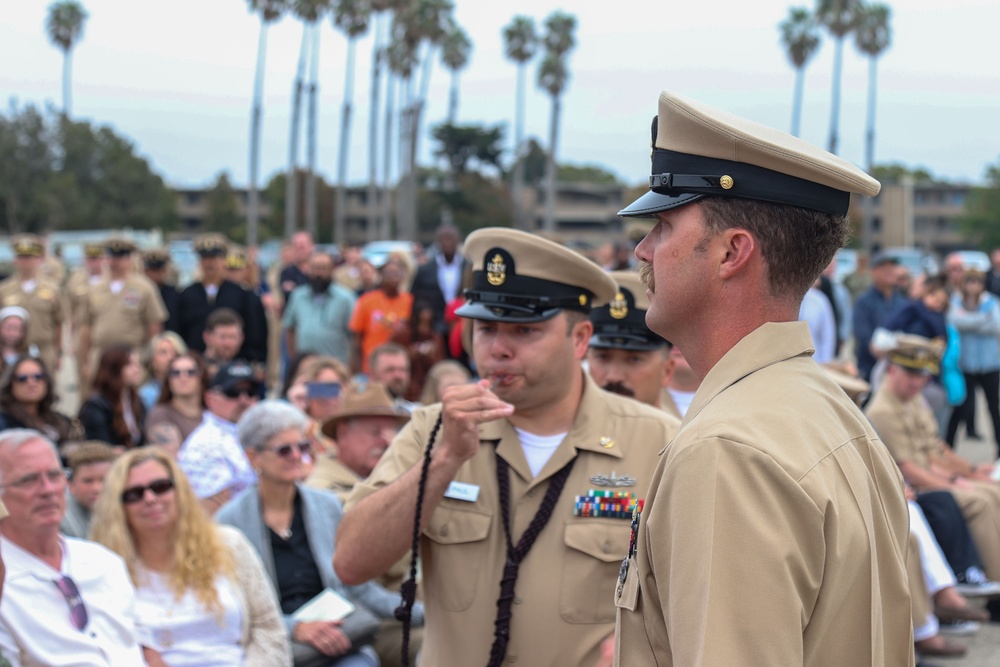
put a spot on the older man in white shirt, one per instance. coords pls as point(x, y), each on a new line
point(65, 601)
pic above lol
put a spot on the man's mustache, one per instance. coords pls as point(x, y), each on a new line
point(646, 276)
point(619, 388)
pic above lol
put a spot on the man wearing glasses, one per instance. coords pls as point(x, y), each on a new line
point(66, 601)
point(212, 456)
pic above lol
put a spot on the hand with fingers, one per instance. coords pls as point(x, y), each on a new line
point(325, 636)
point(465, 407)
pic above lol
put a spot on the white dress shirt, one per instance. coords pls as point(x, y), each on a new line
point(213, 459)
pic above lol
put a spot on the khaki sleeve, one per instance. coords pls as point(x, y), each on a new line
point(406, 450)
point(892, 433)
point(155, 311)
point(737, 548)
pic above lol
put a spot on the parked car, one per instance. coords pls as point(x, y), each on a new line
point(917, 261)
point(376, 252)
point(974, 259)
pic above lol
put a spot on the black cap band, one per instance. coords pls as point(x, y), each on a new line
point(681, 173)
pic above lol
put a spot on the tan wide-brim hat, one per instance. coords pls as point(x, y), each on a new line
point(368, 399)
point(700, 151)
point(856, 388)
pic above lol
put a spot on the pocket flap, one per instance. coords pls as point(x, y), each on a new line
point(458, 526)
point(604, 542)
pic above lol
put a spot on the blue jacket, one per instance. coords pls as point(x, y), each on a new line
point(979, 330)
point(870, 310)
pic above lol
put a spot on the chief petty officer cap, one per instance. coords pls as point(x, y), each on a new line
point(211, 245)
point(700, 151)
point(27, 245)
point(119, 247)
point(621, 325)
point(916, 353)
point(93, 250)
point(157, 258)
point(236, 258)
point(520, 277)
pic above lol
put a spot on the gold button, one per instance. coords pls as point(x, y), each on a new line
point(726, 182)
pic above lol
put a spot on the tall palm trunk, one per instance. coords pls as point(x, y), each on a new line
point(312, 121)
point(838, 61)
point(800, 77)
point(868, 202)
point(550, 167)
point(385, 223)
point(373, 189)
point(517, 191)
point(67, 82)
point(253, 197)
point(403, 187)
point(291, 180)
point(340, 210)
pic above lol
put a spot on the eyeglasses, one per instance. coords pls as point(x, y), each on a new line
point(285, 451)
point(77, 610)
point(55, 476)
point(235, 393)
point(178, 372)
point(37, 377)
point(134, 494)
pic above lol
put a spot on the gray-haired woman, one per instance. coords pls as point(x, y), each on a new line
point(293, 529)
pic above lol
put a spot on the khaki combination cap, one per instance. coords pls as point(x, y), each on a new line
point(211, 245)
point(93, 250)
point(700, 151)
point(916, 353)
point(621, 325)
point(119, 247)
point(364, 399)
point(520, 277)
point(156, 258)
point(28, 245)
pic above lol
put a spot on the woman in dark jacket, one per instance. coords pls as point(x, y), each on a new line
point(114, 413)
point(26, 399)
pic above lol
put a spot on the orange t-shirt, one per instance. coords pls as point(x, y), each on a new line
point(377, 319)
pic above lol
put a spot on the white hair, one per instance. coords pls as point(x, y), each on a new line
point(13, 439)
point(266, 419)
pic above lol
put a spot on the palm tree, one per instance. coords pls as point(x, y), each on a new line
point(839, 17)
point(455, 50)
point(352, 18)
point(269, 12)
point(872, 36)
point(521, 44)
point(800, 36)
point(553, 76)
point(65, 27)
point(401, 56)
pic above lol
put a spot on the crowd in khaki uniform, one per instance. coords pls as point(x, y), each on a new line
point(39, 295)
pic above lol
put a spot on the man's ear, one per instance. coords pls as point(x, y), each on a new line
point(738, 247)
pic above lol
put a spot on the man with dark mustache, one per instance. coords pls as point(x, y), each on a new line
point(775, 529)
point(625, 357)
point(531, 480)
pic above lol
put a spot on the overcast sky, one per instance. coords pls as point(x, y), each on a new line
point(176, 78)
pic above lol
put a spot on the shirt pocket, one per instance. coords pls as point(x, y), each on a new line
point(456, 554)
point(594, 552)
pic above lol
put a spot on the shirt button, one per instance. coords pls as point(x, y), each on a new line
point(444, 531)
point(607, 548)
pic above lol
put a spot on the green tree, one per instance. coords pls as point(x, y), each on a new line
point(468, 147)
point(25, 170)
point(800, 36)
point(476, 201)
point(269, 11)
point(588, 173)
point(839, 17)
point(352, 18)
point(872, 36)
point(520, 44)
point(222, 213)
point(553, 75)
point(981, 222)
point(64, 25)
point(896, 172)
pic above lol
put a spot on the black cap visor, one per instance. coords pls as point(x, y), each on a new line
point(626, 340)
point(651, 203)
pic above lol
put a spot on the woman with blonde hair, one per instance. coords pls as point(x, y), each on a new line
point(325, 378)
point(202, 597)
point(163, 348)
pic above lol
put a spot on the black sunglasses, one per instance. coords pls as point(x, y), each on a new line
point(37, 377)
point(285, 451)
point(177, 372)
point(77, 610)
point(234, 392)
point(134, 494)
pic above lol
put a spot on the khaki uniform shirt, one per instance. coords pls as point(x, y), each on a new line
point(78, 287)
point(124, 317)
point(330, 474)
point(46, 313)
point(907, 429)
point(667, 405)
point(775, 530)
point(563, 605)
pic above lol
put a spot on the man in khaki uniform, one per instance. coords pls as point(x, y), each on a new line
point(625, 357)
point(906, 424)
point(124, 309)
point(536, 441)
point(38, 295)
point(775, 529)
point(78, 287)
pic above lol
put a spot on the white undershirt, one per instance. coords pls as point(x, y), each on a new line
point(116, 286)
point(449, 276)
point(28, 286)
point(538, 449)
point(682, 399)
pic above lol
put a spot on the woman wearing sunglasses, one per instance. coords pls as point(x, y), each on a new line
point(181, 404)
point(26, 400)
point(293, 529)
point(163, 348)
point(201, 594)
point(113, 413)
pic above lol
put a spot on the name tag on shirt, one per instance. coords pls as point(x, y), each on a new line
point(462, 491)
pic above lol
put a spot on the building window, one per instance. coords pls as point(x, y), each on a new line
point(876, 224)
